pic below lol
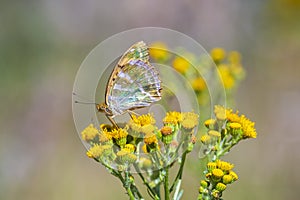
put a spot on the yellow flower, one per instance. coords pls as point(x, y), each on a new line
point(125, 156)
point(148, 128)
point(105, 137)
point(203, 183)
point(217, 174)
point(145, 163)
point(211, 166)
point(95, 151)
point(181, 65)
point(235, 125)
point(237, 71)
point(120, 135)
point(130, 147)
point(214, 133)
point(205, 139)
point(198, 84)
point(150, 139)
point(234, 57)
point(231, 116)
point(166, 130)
point(159, 51)
point(89, 133)
point(220, 112)
point(234, 175)
point(220, 187)
point(218, 54)
point(210, 123)
point(227, 179)
point(190, 120)
point(173, 118)
point(227, 78)
point(225, 166)
point(247, 126)
point(143, 120)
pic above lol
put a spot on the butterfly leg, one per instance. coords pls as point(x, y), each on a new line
point(110, 118)
point(130, 112)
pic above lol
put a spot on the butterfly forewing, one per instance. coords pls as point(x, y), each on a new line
point(138, 51)
point(134, 82)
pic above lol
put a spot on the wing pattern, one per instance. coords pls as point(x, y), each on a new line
point(135, 85)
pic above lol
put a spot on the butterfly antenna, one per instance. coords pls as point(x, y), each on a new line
point(85, 101)
point(81, 102)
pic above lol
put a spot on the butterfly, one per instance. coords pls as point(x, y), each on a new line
point(134, 83)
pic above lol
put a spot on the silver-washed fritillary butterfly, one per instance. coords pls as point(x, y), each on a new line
point(134, 83)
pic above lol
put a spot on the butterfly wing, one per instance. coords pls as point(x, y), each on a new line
point(134, 85)
point(138, 51)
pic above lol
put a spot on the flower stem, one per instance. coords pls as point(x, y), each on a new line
point(128, 185)
point(129, 192)
point(166, 184)
point(180, 171)
point(145, 182)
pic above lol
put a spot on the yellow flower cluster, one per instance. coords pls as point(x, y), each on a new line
point(120, 147)
point(236, 121)
point(126, 157)
point(89, 133)
point(231, 69)
point(173, 118)
point(218, 174)
point(142, 124)
point(143, 120)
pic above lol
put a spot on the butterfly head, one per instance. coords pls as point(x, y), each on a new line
point(102, 107)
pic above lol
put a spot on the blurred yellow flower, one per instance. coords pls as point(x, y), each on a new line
point(217, 54)
point(95, 151)
point(209, 123)
point(235, 125)
point(148, 128)
point(181, 65)
point(190, 120)
point(205, 139)
point(220, 112)
point(214, 134)
point(198, 84)
point(89, 133)
point(227, 78)
point(159, 51)
point(234, 57)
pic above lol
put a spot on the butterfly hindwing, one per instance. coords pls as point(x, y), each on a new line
point(136, 84)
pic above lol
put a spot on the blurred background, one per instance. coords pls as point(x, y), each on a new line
point(42, 44)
